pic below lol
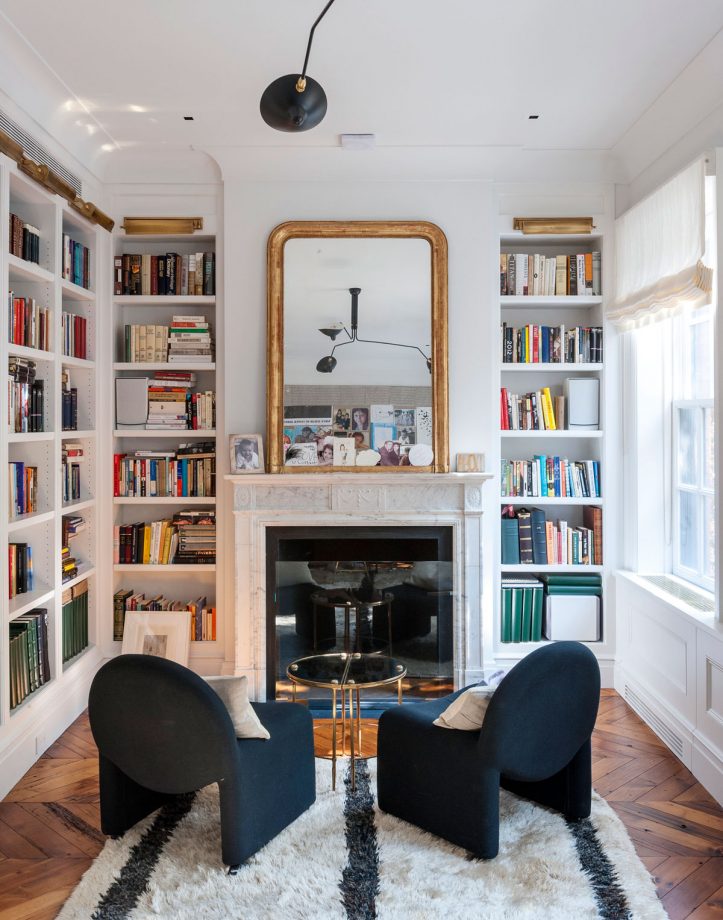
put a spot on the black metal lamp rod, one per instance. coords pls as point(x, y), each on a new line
point(301, 82)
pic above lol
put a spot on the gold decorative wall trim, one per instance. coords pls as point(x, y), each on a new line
point(553, 224)
point(165, 226)
point(51, 181)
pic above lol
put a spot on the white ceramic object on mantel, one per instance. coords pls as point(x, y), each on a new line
point(421, 455)
point(368, 458)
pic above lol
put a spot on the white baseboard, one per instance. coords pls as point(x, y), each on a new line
point(683, 739)
point(43, 720)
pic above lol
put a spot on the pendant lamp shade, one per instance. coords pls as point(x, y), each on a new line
point(284, 108)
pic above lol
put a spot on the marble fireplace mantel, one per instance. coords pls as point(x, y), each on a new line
point(263, 500)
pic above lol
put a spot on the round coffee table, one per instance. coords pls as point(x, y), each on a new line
point(343, 672)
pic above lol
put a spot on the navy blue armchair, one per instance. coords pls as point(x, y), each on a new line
point(535, 741)
point(162, 731)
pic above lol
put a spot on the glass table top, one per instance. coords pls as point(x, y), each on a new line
point(351, 669)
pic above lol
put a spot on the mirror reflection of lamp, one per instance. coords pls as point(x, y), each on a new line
point(327, 364)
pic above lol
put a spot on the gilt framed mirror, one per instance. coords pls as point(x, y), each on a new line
point(357, 347)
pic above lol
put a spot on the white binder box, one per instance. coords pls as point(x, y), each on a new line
point(572, 616)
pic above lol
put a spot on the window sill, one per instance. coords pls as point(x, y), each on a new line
point(707, 621)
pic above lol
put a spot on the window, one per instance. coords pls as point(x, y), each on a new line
point(693, 461)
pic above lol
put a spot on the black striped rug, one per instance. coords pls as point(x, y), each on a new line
point(346, 860)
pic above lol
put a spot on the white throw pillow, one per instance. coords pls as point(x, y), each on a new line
point(468, 711)
point(234, 695)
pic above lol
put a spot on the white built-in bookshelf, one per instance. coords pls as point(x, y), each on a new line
point(523, 377)
point(23, 734)
point(176, 582)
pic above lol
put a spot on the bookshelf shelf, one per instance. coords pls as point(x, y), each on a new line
point(526, 392)
point(67, 665)
point(22, 603)
point(22, 270)
point(75, 291)
point(26, 706)
point(565, 434)
point(179, 433)
point(79, 505)
point(569, 301)
point(78, 435)
point(156, 300)
point(545, 368)
point(85, 570)
point(550, 500)
point(20, 437)
point(164, 569)
point(68, 361)
point(29, 520)
point(162, 366)
point(32, 354)
point(166, 500)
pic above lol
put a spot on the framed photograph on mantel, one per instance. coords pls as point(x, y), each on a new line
point(247, 453)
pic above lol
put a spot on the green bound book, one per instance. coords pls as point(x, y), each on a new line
point(527, 601)
point(506, 623)
point(517, 600)
point(536, 624)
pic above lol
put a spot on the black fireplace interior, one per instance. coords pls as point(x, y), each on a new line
point(379, 590)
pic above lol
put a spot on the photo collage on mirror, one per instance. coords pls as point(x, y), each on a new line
point(354, 435)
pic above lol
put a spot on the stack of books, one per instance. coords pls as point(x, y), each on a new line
point(20, 566)
point(75, 335)
point(24, 240)
point(203, 616)
point(189, 471)
point(521, 609)
point(26, 397)
point(534, 344)
point(171, 274)
point(538, 411)
point(528, 538)
point(69, 402)
point(23, 489)
point(75, 620)
point(29, 659)
point(145, 343)
point(550, 477)
point(29, 324)
point(189, 340)
point(196, 537)
point(535, 274)
point(72, 456)
point(76, 262)
point(71, 525)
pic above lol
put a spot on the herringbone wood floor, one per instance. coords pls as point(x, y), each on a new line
point(49, 822)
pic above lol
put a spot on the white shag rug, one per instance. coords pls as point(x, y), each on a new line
point(343, 859)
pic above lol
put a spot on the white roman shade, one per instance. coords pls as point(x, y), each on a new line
point(659, 247)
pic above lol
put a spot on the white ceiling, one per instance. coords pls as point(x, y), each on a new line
point(394, 306)
point(418, 74)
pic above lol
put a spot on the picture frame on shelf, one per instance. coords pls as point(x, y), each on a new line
point(247, 453)
point(165, 634)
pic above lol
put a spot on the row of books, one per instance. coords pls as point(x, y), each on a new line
point(68, 402)
point(29, 659)
point(75, 335)
point(521, 608)
point(24, 240)
point(176, 407)
point(535, 274)
point(20, 568)
point(536, 411)
point(76, 262)
point(528, 538)
point(550, 477)
point(189, 340)
point(540, 344)
point(144, 342)
point(170, 274)
point(26, 397)
point(150, 474)
point(75, 620)
point(202, 621)
point(70, 471)
point(29, 324)
point(71, 525)
point(22, 489)
point(189, 537)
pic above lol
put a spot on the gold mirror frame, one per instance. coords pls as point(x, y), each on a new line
point(394, 229)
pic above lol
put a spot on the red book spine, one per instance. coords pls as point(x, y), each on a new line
point(116, 475)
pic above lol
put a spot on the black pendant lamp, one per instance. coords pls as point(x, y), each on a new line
point(295, 102)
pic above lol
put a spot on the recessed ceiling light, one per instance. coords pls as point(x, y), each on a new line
point(188, 117)
point(533, 117)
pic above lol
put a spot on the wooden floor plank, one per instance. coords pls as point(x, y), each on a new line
point(673, 822)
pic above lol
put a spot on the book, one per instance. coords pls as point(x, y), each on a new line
point(592, 518)
point(510, 541)
point(524, 519)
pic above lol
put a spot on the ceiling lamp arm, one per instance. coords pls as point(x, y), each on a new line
point(393, 344)
point(301, 82)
